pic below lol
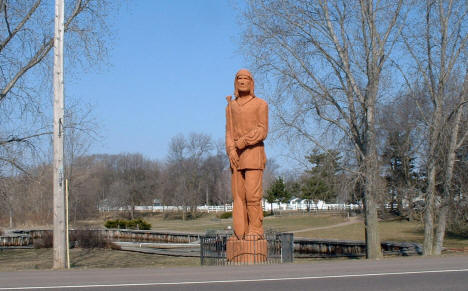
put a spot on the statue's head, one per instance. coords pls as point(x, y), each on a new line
point(244, 81)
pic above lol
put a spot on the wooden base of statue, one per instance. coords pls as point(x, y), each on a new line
point(246, 251)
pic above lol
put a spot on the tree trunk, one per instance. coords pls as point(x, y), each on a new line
point(371, 171)
point(447, 197)
point(132, 211)
point(432, 169)
point(11, 218)
point(373, 247)
point(429, 214)
point(440, 230)
point(400, 204)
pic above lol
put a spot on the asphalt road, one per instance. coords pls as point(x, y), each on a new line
point(410, 273)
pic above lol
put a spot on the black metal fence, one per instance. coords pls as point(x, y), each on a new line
point(279, 248)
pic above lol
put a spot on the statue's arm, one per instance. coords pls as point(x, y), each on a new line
point(259, 133)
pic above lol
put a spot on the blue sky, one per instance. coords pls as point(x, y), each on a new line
point(171, 65)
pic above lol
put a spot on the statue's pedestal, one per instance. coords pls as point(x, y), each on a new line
point(246, 251)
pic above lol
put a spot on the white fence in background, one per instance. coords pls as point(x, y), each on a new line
point(295, 204)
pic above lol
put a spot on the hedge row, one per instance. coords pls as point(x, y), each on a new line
point(128, 224)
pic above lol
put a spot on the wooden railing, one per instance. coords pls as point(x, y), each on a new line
point(303, 247)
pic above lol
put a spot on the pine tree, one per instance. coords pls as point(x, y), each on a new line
point(277, 193)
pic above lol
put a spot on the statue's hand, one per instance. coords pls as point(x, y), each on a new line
point(234, 160)
point(239, 143)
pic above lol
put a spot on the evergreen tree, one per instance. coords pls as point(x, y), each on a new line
point(315, 189)
point(401, 173)
point(277, 193)
point(320, 180)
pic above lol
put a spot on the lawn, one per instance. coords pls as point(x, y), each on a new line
point(212, 222)
point(401, 230)
point(28, 259)
point(396, 230)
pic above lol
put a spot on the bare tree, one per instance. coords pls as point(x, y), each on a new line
point(187, 166)
point(456, 140)
point(214, 168)
point(82, 131)
point(437, 40)
point(26, 40)
point(328, 59)
point(5, 198)
point(401, 132)
point(26, 199)
point(135, 180)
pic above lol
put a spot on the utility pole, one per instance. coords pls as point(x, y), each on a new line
point(59, 181)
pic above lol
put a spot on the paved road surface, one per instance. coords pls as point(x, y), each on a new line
point(411, 273)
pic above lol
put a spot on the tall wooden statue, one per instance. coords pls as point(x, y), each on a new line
point(246, 129)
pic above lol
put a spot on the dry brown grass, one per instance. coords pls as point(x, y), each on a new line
point(211, 222)
point(102, 258)
point(301, 221)
point(27, 259)
point(389, 231)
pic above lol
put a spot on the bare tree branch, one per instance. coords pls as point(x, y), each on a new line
point(14, 139)
point(20, 25)
point(42, 51)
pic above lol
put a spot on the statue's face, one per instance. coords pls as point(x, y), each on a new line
point(243, 83)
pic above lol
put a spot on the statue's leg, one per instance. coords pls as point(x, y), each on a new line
point(253, 188)
point(239, 211)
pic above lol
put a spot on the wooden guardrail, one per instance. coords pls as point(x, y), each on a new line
point(317, 248)
point(149, 235)
point(121, 234)
point(15, 241)
point(303, 247)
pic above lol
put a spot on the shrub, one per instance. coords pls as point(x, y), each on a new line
point(266, 213)
point(195, 215)
point(117, 223)
point(178, 215)
point(225, 215)
point(138, 224)
point(128, 224)
point(458, 230)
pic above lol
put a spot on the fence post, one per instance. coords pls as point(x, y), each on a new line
point(202, 253)
point(287, 247)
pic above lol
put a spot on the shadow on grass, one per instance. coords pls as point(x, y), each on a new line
point(419, 231)
point(78, 261)
point(457, 236)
